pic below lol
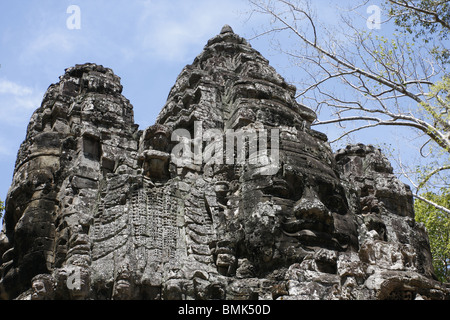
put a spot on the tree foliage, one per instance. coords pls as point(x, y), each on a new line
point(2, 208)
point(425, 19)
point(437, 224)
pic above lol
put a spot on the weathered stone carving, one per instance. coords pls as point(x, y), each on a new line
point(101, 210)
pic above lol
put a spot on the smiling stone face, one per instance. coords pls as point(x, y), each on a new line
point(300, 209)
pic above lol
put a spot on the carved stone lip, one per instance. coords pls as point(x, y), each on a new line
point(155, 154)
point(123, 282)
point(293, 225)
point(316, 238)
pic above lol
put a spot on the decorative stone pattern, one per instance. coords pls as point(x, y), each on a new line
point(99, 209)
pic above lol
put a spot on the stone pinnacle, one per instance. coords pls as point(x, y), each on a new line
point(226, 28)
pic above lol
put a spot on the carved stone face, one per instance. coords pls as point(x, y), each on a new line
point(123, 287)
point(122, 290)
point(42, 288)
point(301, 208)
point(39, 291)
point(313, 209)
point(155, 157)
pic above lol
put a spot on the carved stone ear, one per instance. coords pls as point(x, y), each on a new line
point(92, 147)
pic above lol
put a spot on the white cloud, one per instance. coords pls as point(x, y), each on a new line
point(171, 30)
point(17, 100)
point(6, 147)
point(48, 47)
point(8, 87)
point(30, 102)
point(56, 41)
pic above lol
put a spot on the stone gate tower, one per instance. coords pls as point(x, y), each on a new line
point(99, 209)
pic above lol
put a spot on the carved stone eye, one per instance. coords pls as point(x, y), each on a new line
point(159, 142)
point(333, 197)
point(295, 181)
point(279, 188)
point(336, 203)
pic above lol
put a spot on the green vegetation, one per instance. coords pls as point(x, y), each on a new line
point(437, 223)
point(2, 208)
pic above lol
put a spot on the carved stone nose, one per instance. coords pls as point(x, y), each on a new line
point(311, 208)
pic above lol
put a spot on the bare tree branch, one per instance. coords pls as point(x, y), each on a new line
point(431, 174)
point(391, 73)
point(369, 80)
point(441, 208)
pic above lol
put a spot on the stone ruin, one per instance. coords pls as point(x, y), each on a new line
point(99, 209)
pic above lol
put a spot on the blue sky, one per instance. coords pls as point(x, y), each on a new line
point(145, 42)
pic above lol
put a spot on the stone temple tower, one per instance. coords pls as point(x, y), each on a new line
point(229, 195)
